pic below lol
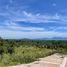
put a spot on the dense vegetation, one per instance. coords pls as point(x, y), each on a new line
point(24, 51)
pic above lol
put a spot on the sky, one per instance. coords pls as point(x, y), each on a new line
point(33, 19)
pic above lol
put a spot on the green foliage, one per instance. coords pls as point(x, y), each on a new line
point(14, 52)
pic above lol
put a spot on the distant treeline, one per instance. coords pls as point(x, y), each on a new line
point(8, 45)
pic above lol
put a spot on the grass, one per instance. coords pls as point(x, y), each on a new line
point(62, 51)
point(24, 55)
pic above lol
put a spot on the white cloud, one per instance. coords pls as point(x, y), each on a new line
point(38, 18)
point(35, 18)
point(27, 14)
point(26, 28)
point(31, 18)
point(14, 26)
point(32, 34)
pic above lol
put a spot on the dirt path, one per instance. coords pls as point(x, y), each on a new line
point(55, 60)
point(64, 63)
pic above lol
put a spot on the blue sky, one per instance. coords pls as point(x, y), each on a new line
point(33, 18)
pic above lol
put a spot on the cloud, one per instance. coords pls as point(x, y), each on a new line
point(14, 11)
point(15, 30)
point(34, 18)
point(26, 28)
point(39, 18)
point(31, 18)
point(27, 14)
point(31, 34)
point(14, 26)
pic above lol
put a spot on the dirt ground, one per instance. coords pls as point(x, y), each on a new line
point(55, 60)
point(66, 64)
